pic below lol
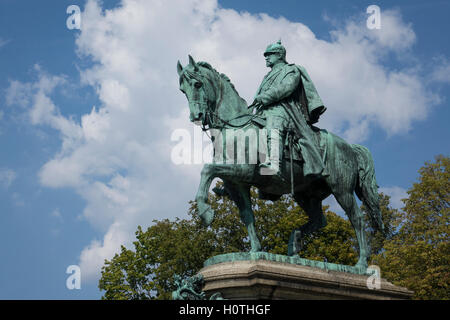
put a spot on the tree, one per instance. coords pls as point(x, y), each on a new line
point(418, 255)
point(391, 218)
point(165, 249)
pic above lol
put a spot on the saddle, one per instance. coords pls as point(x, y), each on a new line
point(292, 141)
point(320, 136)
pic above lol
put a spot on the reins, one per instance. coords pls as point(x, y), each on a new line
point(211, 115)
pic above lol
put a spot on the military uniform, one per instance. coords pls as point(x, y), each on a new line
point(289, 99)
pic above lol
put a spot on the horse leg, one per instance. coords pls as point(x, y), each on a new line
point(348, 202)
point(240, 194)
point(205, 212)
point(317, 220)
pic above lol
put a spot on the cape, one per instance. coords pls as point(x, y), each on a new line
point(309, 97)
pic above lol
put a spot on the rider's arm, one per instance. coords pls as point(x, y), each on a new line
point(284, 89)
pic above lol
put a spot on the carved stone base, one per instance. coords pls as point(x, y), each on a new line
point(274, 280)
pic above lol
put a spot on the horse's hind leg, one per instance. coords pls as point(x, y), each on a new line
point(348, 202)
point(240, 194)
point(317, 220)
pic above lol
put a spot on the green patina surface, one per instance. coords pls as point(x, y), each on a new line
point(296, 260)
point(317, 165)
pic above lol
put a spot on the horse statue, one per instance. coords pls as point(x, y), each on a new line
point(215, 104)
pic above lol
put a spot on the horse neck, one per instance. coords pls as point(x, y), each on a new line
point(231, 104)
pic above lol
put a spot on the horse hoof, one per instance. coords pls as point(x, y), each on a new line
point(361, 266)
point(256, 248)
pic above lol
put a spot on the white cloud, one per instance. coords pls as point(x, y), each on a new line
point(35, 98)
point(17, 199)
point(7, 177)
point(397, 194)
point(93, 256)
point(57, 215)
point(334, 206)
point(394, 33)
point(18, 93)
point(118, 157)
point(441, 70)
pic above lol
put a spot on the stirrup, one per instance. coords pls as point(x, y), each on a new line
point(267, 169)
point(265, 165)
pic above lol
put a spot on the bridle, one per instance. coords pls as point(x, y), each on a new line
point(212, 116)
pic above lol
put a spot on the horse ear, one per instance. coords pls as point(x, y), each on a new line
point(193, 63)
point(179, 68)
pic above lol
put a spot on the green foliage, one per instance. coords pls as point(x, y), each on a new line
point(165, 249)
point(418, 255)
point(391, 218)
point(336, 242)
point(123, 277)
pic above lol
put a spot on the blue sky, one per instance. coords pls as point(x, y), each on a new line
point(81, 154)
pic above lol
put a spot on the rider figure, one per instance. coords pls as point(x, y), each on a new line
point(288, 96)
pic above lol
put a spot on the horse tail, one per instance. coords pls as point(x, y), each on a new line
point(367, 188)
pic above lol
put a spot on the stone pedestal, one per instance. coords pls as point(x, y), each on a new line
point(276, 277)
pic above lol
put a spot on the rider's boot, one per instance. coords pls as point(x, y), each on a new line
point(271, 166)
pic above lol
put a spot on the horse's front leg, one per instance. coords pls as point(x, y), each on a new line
point(204, 209)
point(248, 218)
point(241, 196)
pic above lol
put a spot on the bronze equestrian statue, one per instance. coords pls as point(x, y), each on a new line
point(308, 162)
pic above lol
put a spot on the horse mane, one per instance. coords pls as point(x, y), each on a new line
point(221, 75)
point(241, 103)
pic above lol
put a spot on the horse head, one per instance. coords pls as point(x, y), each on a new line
point(197, 83)
point(213, 100)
